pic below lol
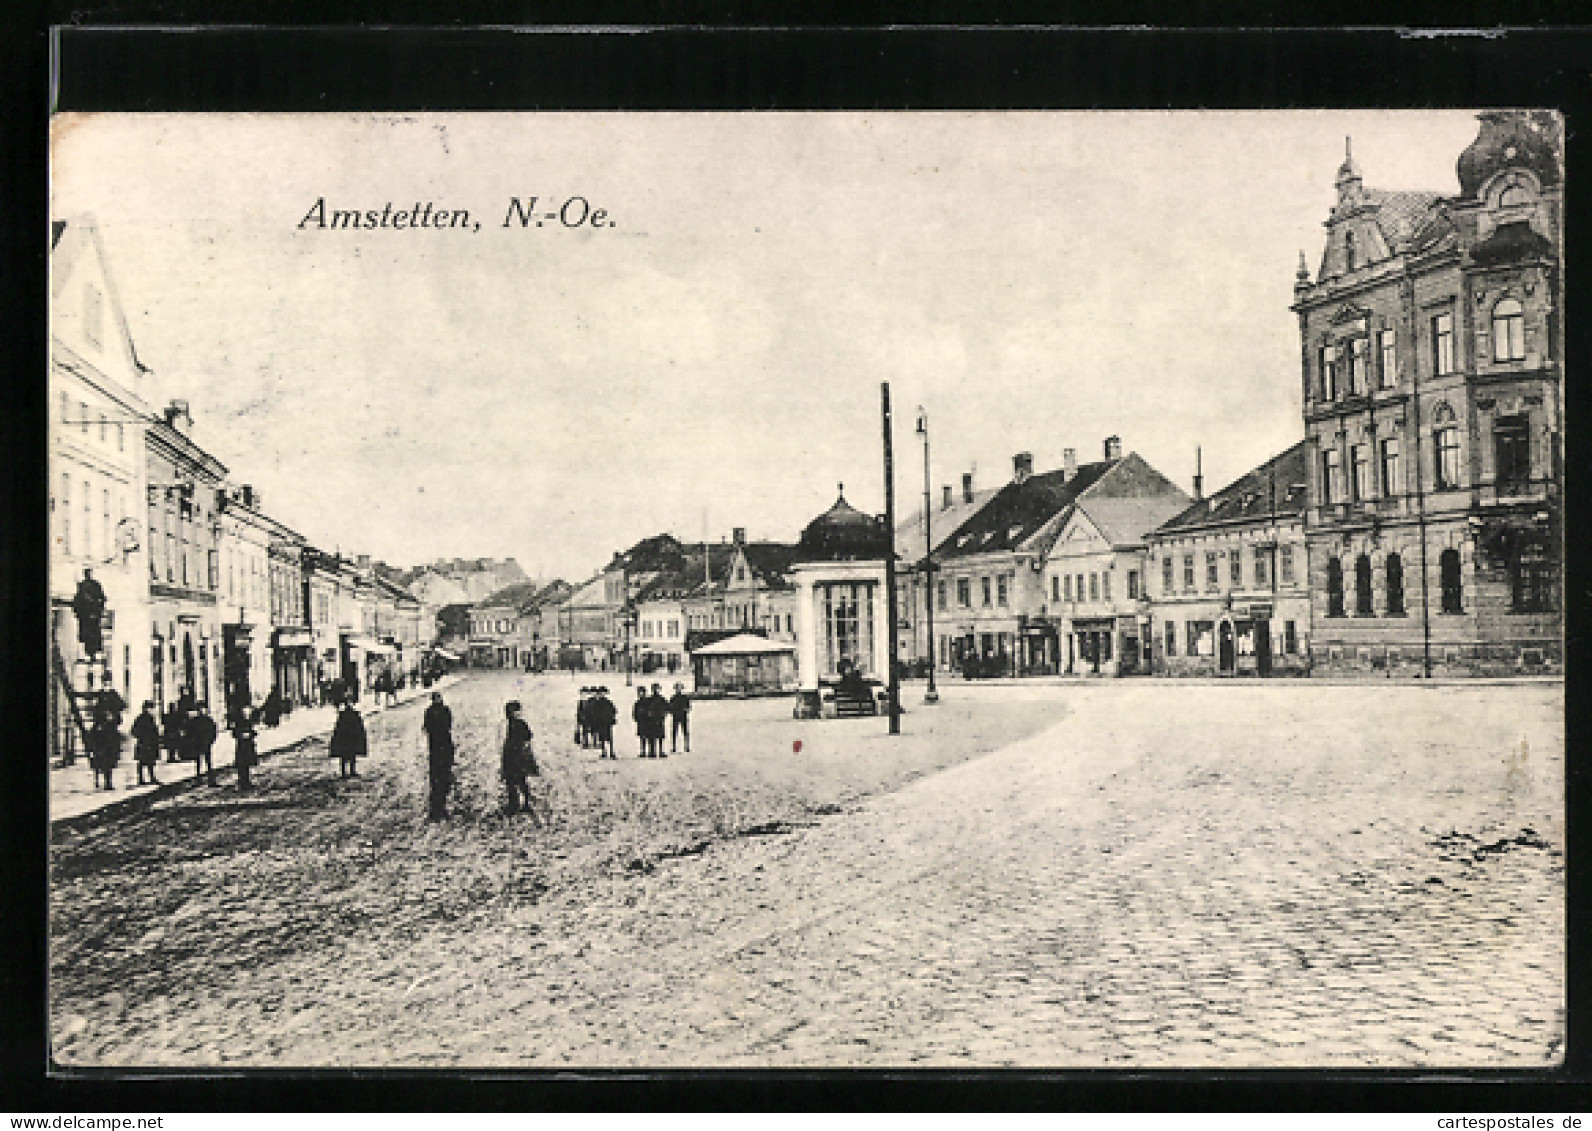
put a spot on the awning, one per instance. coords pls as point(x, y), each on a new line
point(744, 645)
point(371, 645)
point(445, 654)
point(294, 638)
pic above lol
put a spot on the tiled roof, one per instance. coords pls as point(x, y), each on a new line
point(1401, 214)
point(770, 561)
point(943, 522)
point(1278, 486)
point(1019, 510)
point(1126, 522)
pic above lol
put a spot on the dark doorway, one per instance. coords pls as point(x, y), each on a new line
point(1224, 646)
point(1263, 647)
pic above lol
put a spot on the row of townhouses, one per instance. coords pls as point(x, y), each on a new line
point(1414, 529)
point(205, 595)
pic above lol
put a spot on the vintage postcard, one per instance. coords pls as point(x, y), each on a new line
point(1055, 590)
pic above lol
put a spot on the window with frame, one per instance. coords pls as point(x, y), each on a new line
point(88, 520)
point(1055, 587)
point(1235, 567)
point(1387, 348)
point(1509, 331)
point(1290, 638)
point(1078, 586)
point(1512, 452)
point(1188, 573)
point(1391, 484)
point(1133, 585)
point(1212, 577)
point(1094, 587)
point(1359, 358)
point(1329, 372)
point(1363, 606)
point(1448, 568)
point(1530, 567)
point(1285, 565)
point(1105, 586)
point(1443, 344)
point(1334, 587)
point(1066, 584)
point(1360, 467)
point(1261, 566)
point(1393, 569)
point(1332, 475)
point(1445, 444)
point(65, 510)
point(1171, 638)
point(1166, 574)
point(944, 595)
point(1002, 590)
point(987, 590)
point(964, 592)
point(1351, 252)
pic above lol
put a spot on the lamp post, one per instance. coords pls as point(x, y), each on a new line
point(932, 695)
point(889, 560)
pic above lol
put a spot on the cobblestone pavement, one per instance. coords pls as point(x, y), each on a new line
point(1171, 875)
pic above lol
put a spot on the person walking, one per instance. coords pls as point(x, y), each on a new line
point(199, 737)
point(603, 715)
point(657, 715)
point(680, 719)
point(438, 725)
point(348, 743)
point(171, 734)
point(104, 750)
point(146, 743)
point(519, 760)
point(246, 753)
point(583, 728)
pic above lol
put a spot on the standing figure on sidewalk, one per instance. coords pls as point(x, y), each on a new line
point(642, 713)
point(171, 728)
point(438, 725)
point(519, 761)
point(603, 715)
point(104, 750)
point(199, 736)
point(146, 743)
point(680, 719)
point(247, 752)
point(348, 743)
point(658, 717)
point(583, 727)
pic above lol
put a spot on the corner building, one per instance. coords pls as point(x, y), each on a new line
point(1431, 348)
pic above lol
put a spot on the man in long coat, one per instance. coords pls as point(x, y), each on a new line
point(642, 714)
point(519, 761)
point(199, 737)
point(348, 740)
point(146, 743)
point(680, 714)
point(88, 604)
point(438, 725)
point(247, 751)
point(601, 717)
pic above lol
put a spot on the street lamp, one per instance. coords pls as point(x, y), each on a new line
point(931, 695)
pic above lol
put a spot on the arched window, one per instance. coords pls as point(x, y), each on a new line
point(1509, 331)
point(1513, 195)
point(1395, 585)
point(1453, 589)
point(1334, 588)
point(1362, 587)
point(1351, 258)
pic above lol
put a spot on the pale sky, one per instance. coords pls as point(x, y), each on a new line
point(1037, 281)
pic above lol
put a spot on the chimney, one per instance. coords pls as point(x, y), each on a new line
point(967, 486)
point(1069, 463)
point(739, 536)
point(178, 417)
point(364, 561)
point(947, 505)
point(1113, 447)
point(247, 496)
point(1199, 479)
point(1022, 466)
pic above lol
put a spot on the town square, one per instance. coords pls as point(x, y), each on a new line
point(795, 623)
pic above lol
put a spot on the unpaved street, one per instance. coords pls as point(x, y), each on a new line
point(1112, 873)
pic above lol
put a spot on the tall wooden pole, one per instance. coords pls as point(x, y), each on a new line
point(932, 695)
point(889, 560)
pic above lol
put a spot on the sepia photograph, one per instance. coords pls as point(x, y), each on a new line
point(807, 590)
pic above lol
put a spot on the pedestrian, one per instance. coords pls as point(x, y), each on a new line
point(642, 713)
point(146, 743)
point(657, 717)
point(246, 752)
point(271, 709)
point(199, 737)
point(104, 750)
point(604, 715)
point(583, 718)
point(438, 725)
point(171, 726)
point(88, 605)
point(110, 704)
point(348, 743)
point(519, 760)
point(680, 719)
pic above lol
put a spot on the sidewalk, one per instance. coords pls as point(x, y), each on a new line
point(73, 797)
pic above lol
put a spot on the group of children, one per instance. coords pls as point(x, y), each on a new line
point(595, 715)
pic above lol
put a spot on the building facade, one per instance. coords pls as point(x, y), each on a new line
point(926, 531)
point(1227, 580)
point(839, 576)
point(1431, 342)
